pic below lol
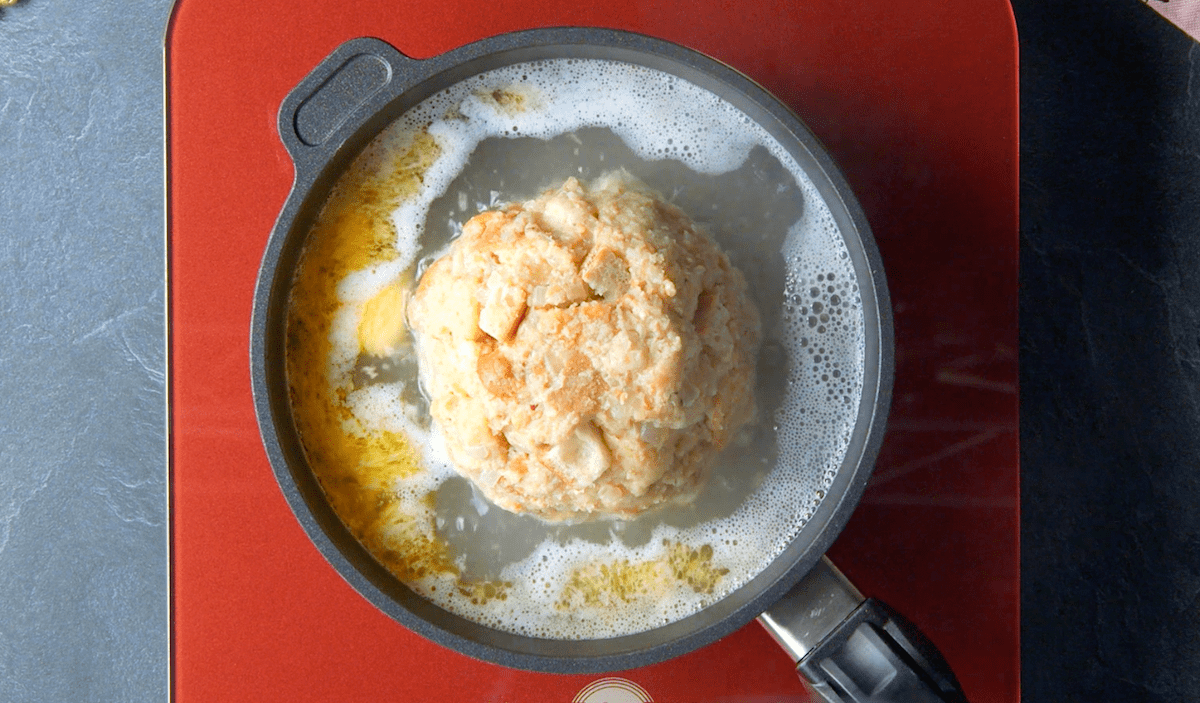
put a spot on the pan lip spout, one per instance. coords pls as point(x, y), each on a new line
point(334, 132)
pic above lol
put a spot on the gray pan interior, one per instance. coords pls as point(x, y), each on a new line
point(327, 119)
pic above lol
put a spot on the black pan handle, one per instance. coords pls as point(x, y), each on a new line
point(340, 94)
point(852, 650)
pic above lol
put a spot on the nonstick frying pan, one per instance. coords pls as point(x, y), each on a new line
point(848, 648)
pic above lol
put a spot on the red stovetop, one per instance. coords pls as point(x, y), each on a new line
point(916, 99)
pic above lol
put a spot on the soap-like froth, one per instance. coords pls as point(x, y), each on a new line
point(679, 570)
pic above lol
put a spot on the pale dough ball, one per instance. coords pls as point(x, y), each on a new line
point(586, 353)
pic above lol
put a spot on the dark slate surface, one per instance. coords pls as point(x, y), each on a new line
point(83, 479)
point(1110, 353)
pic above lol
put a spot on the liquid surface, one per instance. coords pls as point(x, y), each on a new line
point(504, 136)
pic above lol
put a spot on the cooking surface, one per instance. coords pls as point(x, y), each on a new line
point(922, 118)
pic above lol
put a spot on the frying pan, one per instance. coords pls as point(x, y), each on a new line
point(847, 648)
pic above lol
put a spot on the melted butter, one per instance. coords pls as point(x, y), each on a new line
point(359, 469)
point(622, 581)
point(483, 592)
point(381, 328)
point(402, 542)
point(695, 567)
point(511, 99)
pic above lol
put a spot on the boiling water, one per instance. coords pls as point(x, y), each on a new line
point(508, 134)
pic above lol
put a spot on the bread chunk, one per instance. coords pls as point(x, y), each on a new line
point(587, 353)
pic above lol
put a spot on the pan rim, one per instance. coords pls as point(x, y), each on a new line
point(379, 586)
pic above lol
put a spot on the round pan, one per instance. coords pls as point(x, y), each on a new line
point(359, 89)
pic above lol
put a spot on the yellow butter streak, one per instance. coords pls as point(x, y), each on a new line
point(608, 584)
point(359, 469)
point(381, 326)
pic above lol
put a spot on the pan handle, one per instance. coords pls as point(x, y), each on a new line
point(852, 650)
point(337, 96)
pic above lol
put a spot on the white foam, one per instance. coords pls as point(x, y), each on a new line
point(381, 407)
point(361, 286)
point(658, 116)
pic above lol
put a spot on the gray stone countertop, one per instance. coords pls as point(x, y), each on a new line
point(83, 409)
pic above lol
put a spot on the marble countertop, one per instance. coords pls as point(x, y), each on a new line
point(1110, 353)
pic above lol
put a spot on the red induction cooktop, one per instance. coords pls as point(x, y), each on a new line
point(916, 100)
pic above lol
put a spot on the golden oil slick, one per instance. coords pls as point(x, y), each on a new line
point(623, 581)
point(381, 328)
point(358, 468)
